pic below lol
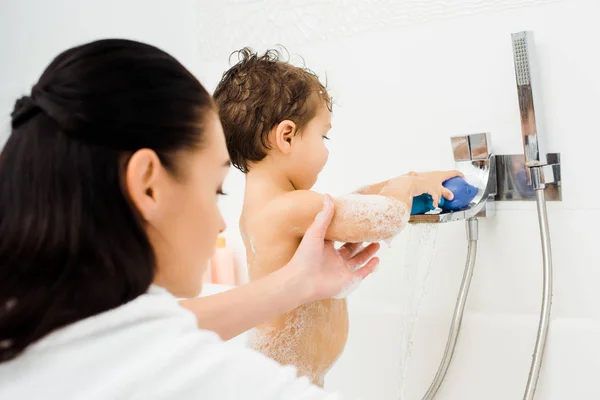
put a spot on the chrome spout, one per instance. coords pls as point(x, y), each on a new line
point(474, 158)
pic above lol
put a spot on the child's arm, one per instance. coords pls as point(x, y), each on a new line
point(357, 218)
point(372, 189)
point(372, 215)
point(376, 188)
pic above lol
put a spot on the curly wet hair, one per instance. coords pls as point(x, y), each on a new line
point(259, 92)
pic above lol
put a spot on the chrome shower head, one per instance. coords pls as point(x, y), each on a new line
point(521, 58)
point(522, 43)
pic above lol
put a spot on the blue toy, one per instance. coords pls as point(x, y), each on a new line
point(463, 194)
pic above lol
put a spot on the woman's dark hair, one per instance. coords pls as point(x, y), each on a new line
point(71, 243)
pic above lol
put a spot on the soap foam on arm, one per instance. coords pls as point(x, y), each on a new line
point(357, 217)
point(367, 218)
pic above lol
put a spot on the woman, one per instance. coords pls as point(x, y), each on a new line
point(108, 213)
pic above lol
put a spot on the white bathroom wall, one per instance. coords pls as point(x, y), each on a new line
point(405, 75)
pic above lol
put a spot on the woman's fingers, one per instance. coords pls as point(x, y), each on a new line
point(361, 257)
point(365, 271)
point(318, 228)
point(348, 250)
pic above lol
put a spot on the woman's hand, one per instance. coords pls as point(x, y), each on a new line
point(325, 271)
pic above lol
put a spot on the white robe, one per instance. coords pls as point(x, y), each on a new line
point(147, 349)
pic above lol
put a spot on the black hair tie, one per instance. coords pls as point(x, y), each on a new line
point(25, 109)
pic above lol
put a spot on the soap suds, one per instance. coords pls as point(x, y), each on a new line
point(251, 242)
point(379, 217)
point(296, 343)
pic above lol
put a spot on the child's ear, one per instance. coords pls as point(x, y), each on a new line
point(285, 133)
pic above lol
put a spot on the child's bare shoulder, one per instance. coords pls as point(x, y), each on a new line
point(288, 212)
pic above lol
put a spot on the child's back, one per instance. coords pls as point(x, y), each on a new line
point(312, 336)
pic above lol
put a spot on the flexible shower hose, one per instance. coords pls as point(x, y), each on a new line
point(544, 324)
point(459, 308)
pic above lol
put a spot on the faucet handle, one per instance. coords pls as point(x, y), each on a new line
point(481, 146)
point(474, 147)
point(461, 148)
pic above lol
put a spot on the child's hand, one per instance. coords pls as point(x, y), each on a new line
point(431, 183)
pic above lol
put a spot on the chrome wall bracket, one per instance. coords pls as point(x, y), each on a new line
point(516, 182)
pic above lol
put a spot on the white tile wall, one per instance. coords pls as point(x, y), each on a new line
point(405, 76)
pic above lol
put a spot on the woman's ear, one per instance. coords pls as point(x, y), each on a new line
point(142, 178)
point(284, 135)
